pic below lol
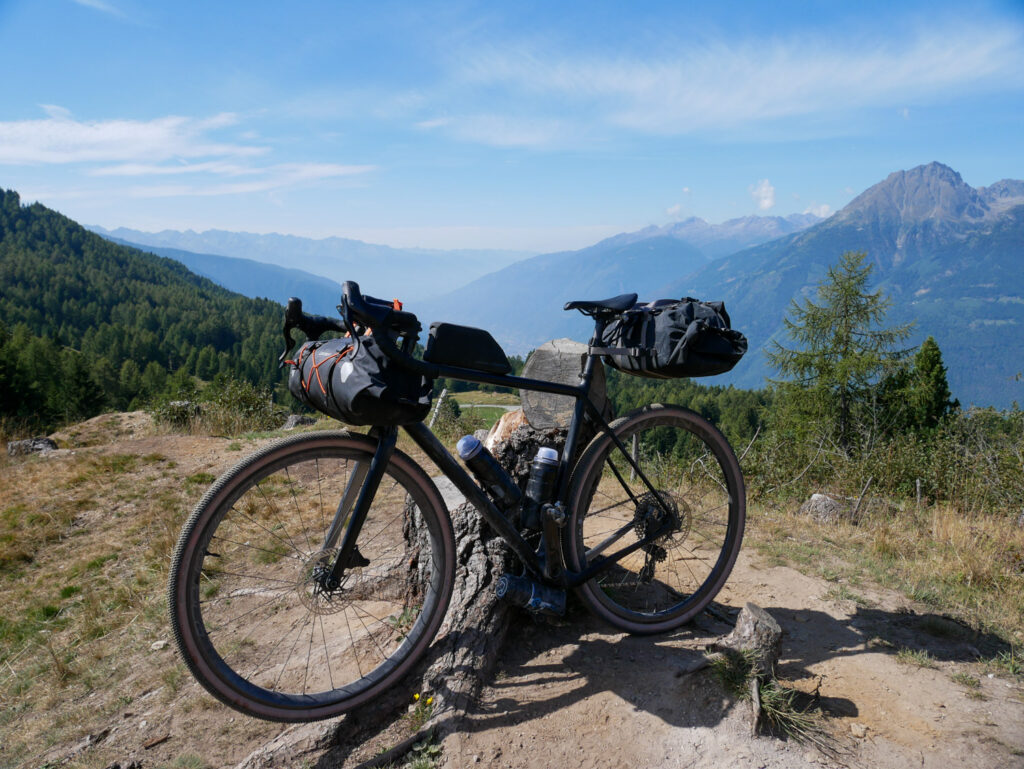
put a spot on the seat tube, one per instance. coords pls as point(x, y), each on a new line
point(576, 426)
point(387, 437)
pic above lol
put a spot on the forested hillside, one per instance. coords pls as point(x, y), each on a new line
point(87, 324)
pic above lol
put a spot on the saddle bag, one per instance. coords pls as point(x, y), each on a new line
point(671, 339)
point(352, 380)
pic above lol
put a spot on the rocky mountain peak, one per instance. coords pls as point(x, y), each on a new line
point(930, 192)
point(1004, 194)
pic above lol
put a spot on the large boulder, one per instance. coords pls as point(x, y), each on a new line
point(826, 508)
point(31, 446)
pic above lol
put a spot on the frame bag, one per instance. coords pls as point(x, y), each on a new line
point(351, 379)
point(671, 339)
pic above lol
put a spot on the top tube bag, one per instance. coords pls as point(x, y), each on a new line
point(351, 379)
point(671, 339)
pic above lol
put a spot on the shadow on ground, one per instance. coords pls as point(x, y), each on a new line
point(544, 668)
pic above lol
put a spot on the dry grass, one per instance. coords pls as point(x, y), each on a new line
point(480, 397)
point(969, 566)
point(85, 544)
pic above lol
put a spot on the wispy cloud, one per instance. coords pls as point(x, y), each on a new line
point(99, 5)
point(171, 146)
point(824, 210)
point(501, 130)
point(263, 179)
point(726, 85)
point(61, 139)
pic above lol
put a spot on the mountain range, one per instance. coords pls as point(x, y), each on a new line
point(948, 256)
point(409, 273)
point(254, 279)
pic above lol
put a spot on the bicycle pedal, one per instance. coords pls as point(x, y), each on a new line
point(531, 595)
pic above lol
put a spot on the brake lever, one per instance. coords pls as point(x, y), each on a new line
point(289, 344)
point(292, 317)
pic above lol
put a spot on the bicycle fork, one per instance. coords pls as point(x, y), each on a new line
point(353, 507)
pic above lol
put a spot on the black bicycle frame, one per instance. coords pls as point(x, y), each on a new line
point(543, 569)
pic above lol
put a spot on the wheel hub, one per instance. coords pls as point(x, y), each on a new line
point(314, 588)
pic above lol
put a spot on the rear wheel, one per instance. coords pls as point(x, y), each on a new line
point(253, 616)
point(694, 518)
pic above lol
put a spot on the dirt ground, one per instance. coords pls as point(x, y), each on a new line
point(578, 695)
point(575, 693)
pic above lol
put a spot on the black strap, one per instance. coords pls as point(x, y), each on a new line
point(632, 351)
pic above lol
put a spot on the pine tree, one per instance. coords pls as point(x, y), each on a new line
point(841, 352)
point(928, 397)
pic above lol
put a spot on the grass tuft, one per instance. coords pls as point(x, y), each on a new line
point(916, 657)
point(781, 710)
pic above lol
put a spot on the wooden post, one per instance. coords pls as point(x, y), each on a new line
point(437, 406)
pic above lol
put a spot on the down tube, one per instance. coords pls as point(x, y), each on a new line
point(434, 449)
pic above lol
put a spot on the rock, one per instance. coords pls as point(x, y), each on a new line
point(826, 508)
point(40, 445)
point(158, 645)
point(295, 420)
point(507, 424)
point(756, 631)
point(858, 730)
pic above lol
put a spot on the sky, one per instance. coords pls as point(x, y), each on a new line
point(527, 126)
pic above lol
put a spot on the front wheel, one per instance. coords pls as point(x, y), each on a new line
point(693, 518)
point(255, 619)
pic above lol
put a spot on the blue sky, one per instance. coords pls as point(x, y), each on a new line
point(536, 126)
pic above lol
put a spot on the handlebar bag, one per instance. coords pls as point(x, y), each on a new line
point(354, 381)
point(671, 339)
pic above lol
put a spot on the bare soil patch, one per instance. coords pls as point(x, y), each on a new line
point(87, 681)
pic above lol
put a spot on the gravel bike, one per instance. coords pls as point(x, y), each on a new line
point(313, 575)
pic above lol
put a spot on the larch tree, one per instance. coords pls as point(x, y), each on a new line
point(841, 349)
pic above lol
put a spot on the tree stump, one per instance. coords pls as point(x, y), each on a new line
point(756, 633)
point(758, 636)
point(560, 360)
point(469, 642)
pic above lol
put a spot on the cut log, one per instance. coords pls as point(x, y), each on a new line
point(560, 360)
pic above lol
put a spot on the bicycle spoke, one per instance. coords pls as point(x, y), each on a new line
point(683, 518)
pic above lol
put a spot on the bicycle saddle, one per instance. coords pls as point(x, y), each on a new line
point(615, 304)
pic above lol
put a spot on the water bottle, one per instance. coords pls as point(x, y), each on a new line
point(541, 486)
point(492, 476)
